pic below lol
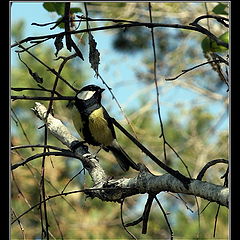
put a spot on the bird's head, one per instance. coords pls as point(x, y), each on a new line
point(90, 91)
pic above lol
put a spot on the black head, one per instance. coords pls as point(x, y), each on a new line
point(90, 91)
point(91, 87)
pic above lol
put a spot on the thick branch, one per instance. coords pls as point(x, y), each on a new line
point(149, 183)
point(56, 127)
point(145, 182)
point(173, 172)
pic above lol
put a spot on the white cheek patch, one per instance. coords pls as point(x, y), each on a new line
point(85, 95)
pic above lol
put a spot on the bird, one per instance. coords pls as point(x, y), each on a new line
point(94, 125)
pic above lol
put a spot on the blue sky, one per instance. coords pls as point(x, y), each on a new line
point(114, 67)
point(104, 45)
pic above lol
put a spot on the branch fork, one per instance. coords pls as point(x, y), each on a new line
point(144, 182)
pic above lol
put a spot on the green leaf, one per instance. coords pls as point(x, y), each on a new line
point(61, 25)
point(75, 10)
point(55, 7)
point(225, 37)
point(210, 45)
point(60, 7)
point(220, 9)
point(50, 7)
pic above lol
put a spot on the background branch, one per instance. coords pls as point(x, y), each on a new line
point(195, 27)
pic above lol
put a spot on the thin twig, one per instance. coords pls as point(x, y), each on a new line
point(50, 69)
point(209, 34)
point(208, 165)
point(42, 187)
point(35, 89)
point(21, 126)
point(155, 73)
point(173, 172)
point(68, 38)
point(192, 68)
point(65, 153)
point(156, 85)
point(134, 222)
point(180, 198)
point(72, 179)
point(38, 145)
point(225, 176)
point(47, 199)
point(55, 189)
point(20, 224)
point(121, 211)
point(179, 157)
point(86, 18)
point(43, 24)
point(146, 212)
point(34, 45)
point(215, 222)
point(57, 222)
point(196, 27)
point(220, 19)
point(205, 207)
point(86, 190)
point(165, 216)
point(63, 98)
point(19, 190)
point(119, 106)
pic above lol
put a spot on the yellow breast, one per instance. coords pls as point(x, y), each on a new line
point(77, 121)
point(98, 126)
point(99, 129)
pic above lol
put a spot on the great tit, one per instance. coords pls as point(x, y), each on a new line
point(95, 126)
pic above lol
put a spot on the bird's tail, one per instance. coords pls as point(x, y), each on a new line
point(122, 157)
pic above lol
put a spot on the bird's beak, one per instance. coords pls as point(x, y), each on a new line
point(101, 90)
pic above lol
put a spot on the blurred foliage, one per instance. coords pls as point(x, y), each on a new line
point(17, 30)
point(131, 40)
point(190, 131)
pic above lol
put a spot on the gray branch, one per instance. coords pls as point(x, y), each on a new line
point(144, 182)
